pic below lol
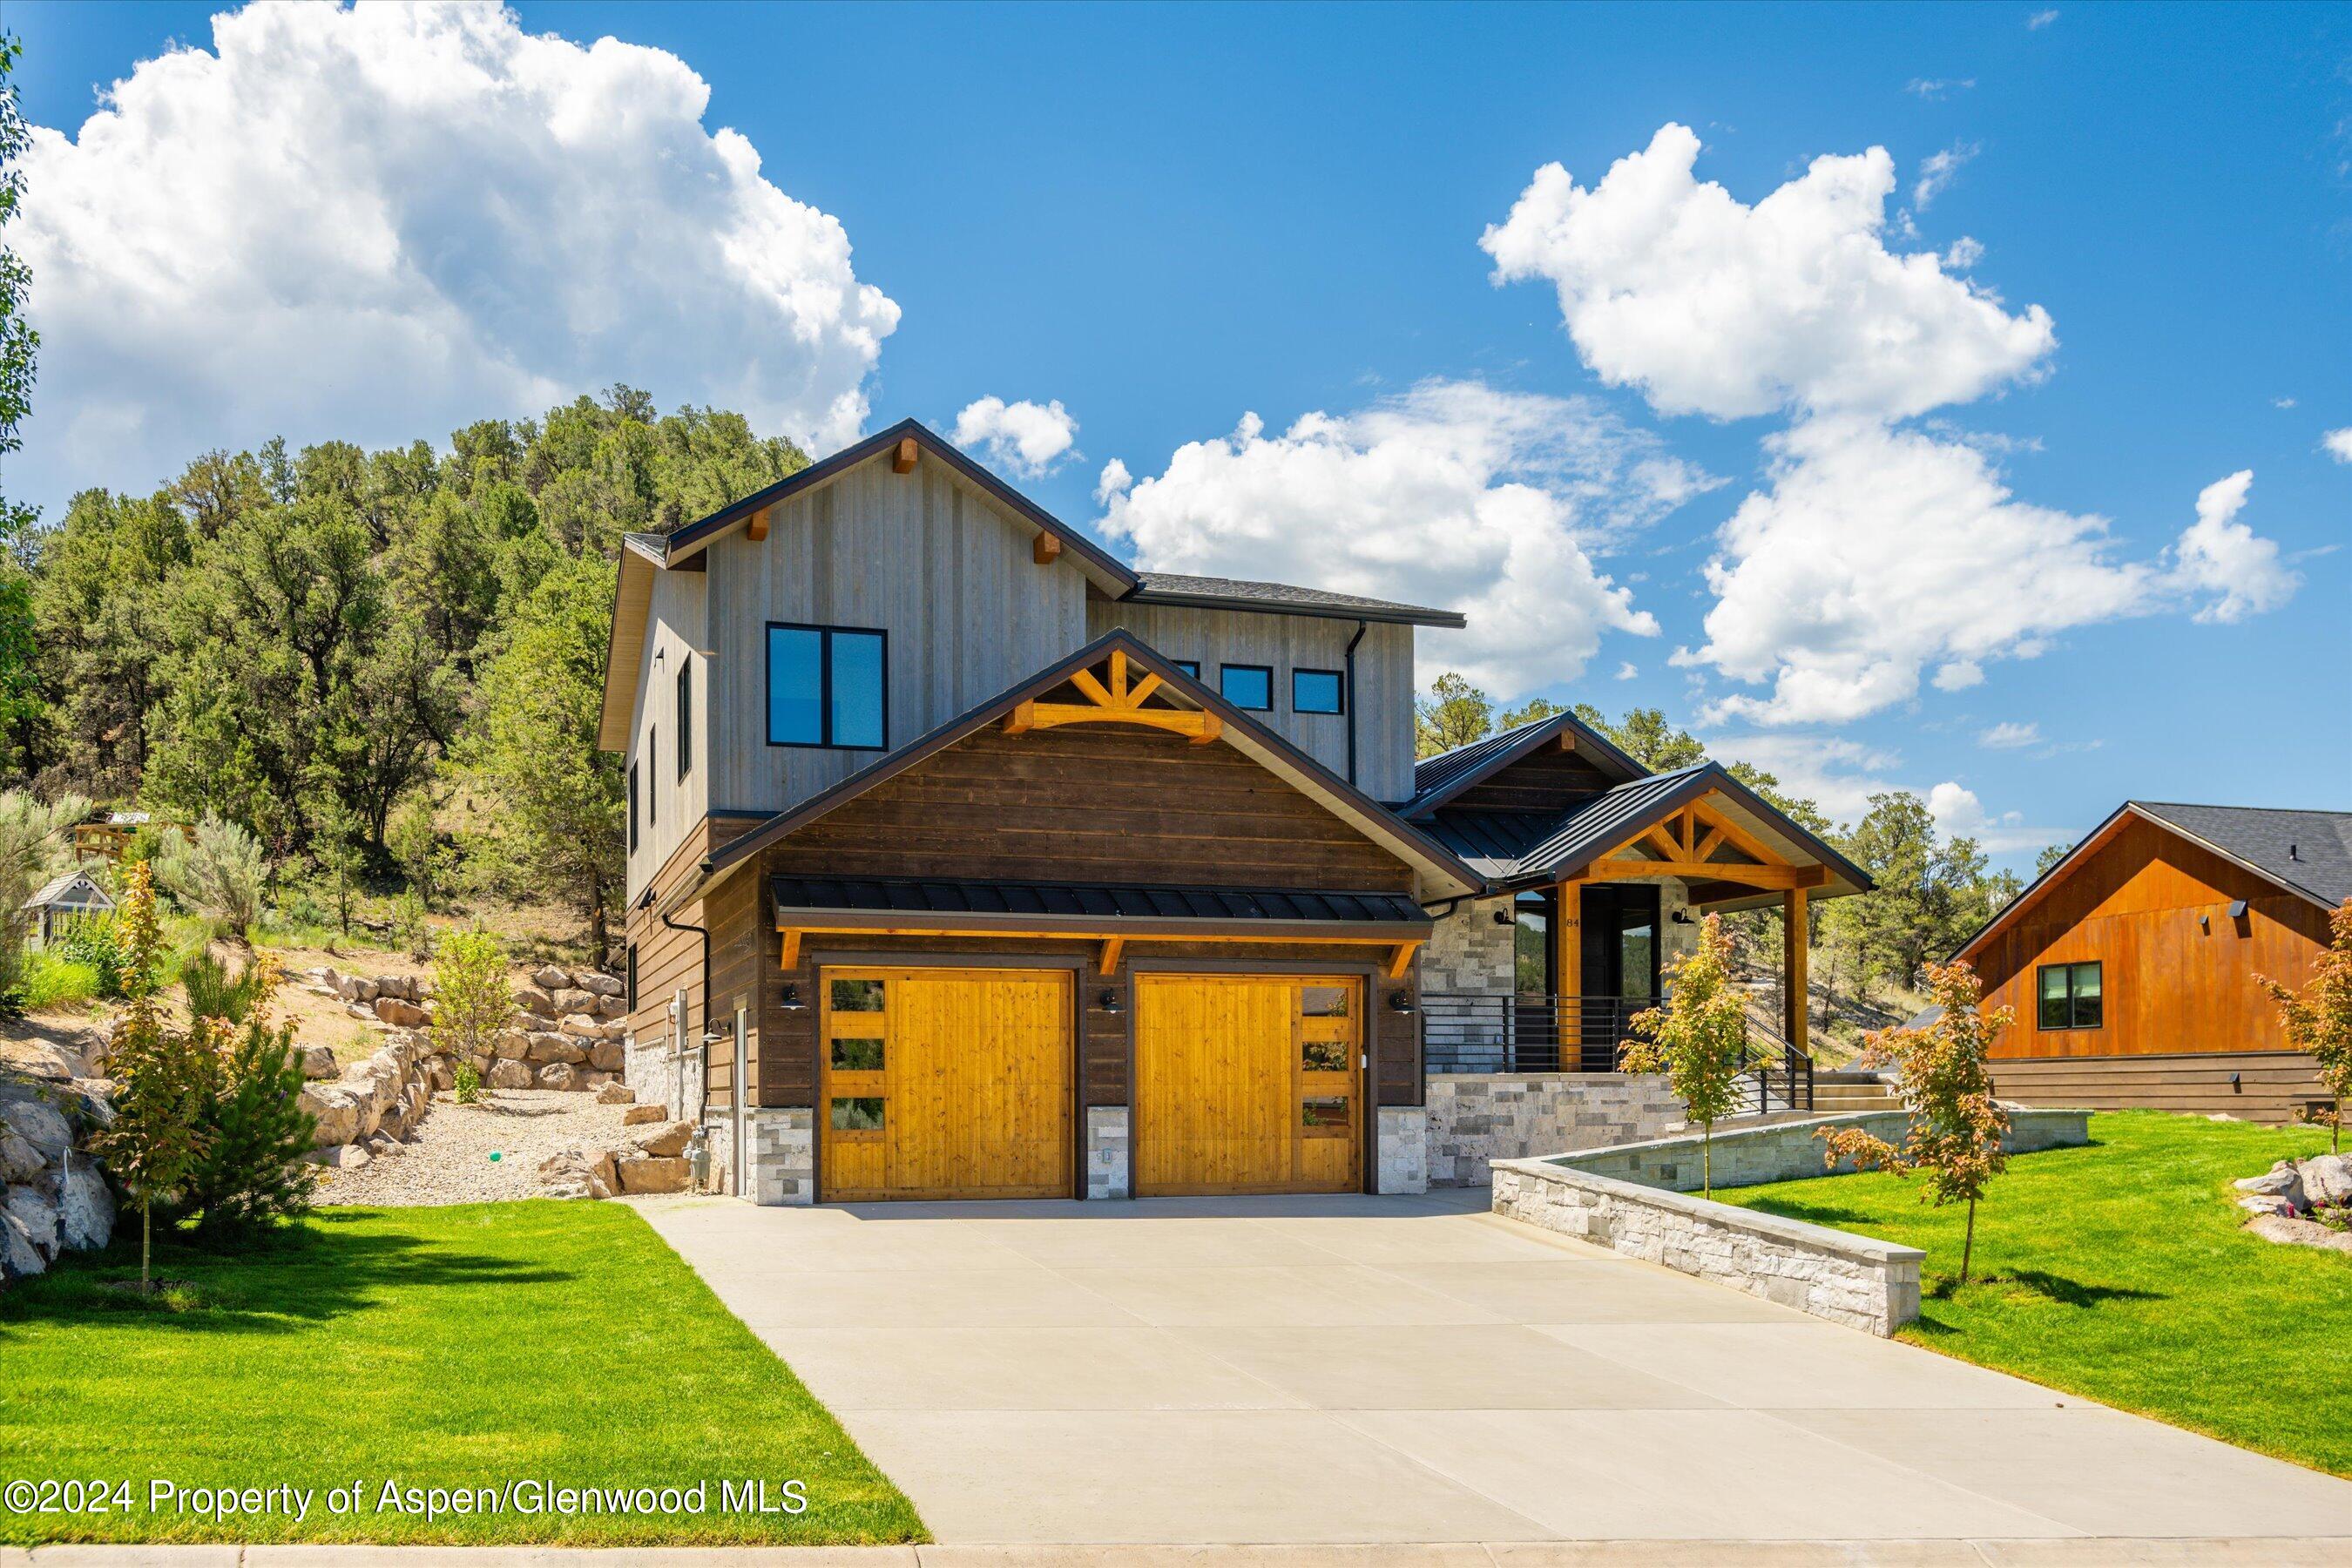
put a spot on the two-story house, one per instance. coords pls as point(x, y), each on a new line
point(965, 860)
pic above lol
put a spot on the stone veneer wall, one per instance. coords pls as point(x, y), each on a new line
point(1862, 1283)
point(1403, 1135)
point(779, 1152)
point(1107, 1170)
point(1476, 1118)
point(1626, 1199)
point(1467, 951)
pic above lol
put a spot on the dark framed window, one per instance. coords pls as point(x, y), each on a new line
point(685, 716)
point(2069, 996)
point(633, 808)
point(1191, 666)
point(828, 687)
point(653, 771)
point(1317, 691)
point(1248, 686)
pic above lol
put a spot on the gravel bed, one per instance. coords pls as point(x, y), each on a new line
point(448, 1161)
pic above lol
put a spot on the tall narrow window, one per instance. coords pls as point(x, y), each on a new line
point(2069, 996)
point(629, 991)
point(653, 769)
point(685, 715)
point(828, 686)
point(633, 808)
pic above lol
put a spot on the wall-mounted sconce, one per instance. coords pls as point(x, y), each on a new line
point(1505, 916)
point(2238, 909)
point(2204, 922)
point(789, 998)
point(1682, 917)
point(1400, 1001)
point(1110, 1003)
point(2235, 1086)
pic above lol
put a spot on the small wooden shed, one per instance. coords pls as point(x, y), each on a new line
point(71, 897)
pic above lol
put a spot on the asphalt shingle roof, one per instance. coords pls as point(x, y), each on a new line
point(2309, 850)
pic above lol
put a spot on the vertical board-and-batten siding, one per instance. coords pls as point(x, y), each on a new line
point(1385, 678)
point(2180, 976)
point(924, 557)
point(676, 626)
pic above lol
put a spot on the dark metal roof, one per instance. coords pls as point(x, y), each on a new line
point(2309, 851)
point(1490, 842)
point(1281, 598)
point(1090, 902)
point(1438, 778)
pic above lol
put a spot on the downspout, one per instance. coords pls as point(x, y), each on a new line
point(1351, 662)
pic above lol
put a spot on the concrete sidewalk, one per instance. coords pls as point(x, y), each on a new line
point(2080, 1552)
point(1256, 1370)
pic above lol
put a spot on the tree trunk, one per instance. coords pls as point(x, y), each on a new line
point(1707, 1159)
point(1968, 1241)
point(146, 1242)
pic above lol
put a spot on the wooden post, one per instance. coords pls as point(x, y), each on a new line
point(1568, 973)
point(1796, 1012)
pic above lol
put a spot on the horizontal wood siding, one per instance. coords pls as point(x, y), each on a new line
point(2273, 1086)
point(2180, 976)
point(1550, 780)
point(923, 556)
point(1384, 674)
point(734, 914)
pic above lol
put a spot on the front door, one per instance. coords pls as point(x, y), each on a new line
point(946, 1083)
point(1247, 1083)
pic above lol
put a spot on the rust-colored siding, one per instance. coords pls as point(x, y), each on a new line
point(2180, 976)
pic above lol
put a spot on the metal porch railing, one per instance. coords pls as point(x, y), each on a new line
point(1468, 1032)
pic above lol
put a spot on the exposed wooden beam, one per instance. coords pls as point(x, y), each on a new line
point(1568, 973)
point(792, 948)
point(1051, 715)
point(1720, 870)
point(1084, 679)
point(1021, 719)
point(1567, 739)
point(757, 528)
point(1047, 548)
point(1106, 962)
point(902, 461)
point(1708, 845)
point(1796, 1010)
point(1211, 728)
point(1741, 839)
point(1401, 958)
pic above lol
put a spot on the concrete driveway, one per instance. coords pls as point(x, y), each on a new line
point(1413, 1370)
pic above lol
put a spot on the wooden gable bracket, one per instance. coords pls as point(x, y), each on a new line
point(1106, 962)
point(1685, 844)
point(757, 530)
point(1400, 960)
point(792, 948)
point(1047, 548)
point(1117, 703)
point(902, 461)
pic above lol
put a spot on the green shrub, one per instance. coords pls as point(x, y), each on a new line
point(52, 981)
point(219, 870)
point(251, 1173)
point(469, 1084)
point(213, 994)
point(95, 942)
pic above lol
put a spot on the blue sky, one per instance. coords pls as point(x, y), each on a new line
point(1165, 219)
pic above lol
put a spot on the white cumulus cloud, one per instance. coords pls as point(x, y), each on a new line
point(1840, 775)
point(1028, 438)
point(2008, 736)
point(1875, 552)
point(1939, 171)
point(2339, 443)
point(1711, 306)
point(1454, 494)
point(384, 221)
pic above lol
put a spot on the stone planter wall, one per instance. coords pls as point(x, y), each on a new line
point(53, 1198)
point(1476, 1118)
point(1635, 1200)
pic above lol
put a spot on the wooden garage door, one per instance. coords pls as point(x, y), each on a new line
point(946, 1083)
point(1247, 1084)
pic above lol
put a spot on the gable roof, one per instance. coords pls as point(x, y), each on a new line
point(54, 892)
point(1178, 588)
point(1431, 860)
point(1438, 779)
point(2306, 853)
point(1107, 572)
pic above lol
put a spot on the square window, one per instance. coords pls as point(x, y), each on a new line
point(862, 1113)
point(1191, 666)
point(2069, 996)
point(1324, 1001)
point(1324, 1056)
point(856, 995)
point(828, 685)
point(1315, 690)
point(858, 1056)
point(1249, 686)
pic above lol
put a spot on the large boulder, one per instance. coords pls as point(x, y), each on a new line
point(606, 1056)
point(511, 1044)
point(85, 1208)
point(651, 1174)
point(611, 1008)
point(338, 1108)
point(509, 1075)
point(319, 1062)
point(550, 978)
point(556, 1048)
point(564, 1174)
point(19, 1259)
point(400, 1011)
point(37, 1212)
point(39, 1124)
point(356, 988)
point(2279, 1182)
point(2327, 1179)
point(571, 999)
point(664, 1138)
point(640, 1115)
point(559, 1075)
point(602, 984)
point(604, 1175)
point(535, 999)
point(581, 1025)
point(19, 1161)
point(613, 1092)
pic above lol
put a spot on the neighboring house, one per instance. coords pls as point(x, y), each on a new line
point(2135, 965)
point(964, 861)
point(71, 897)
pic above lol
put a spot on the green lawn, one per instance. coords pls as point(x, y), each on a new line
point(456, 1348)
point(2118, 1271)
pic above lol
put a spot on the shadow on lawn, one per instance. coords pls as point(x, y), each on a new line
point(277, 1283)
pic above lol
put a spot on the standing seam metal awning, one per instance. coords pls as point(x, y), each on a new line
point(798, 897)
